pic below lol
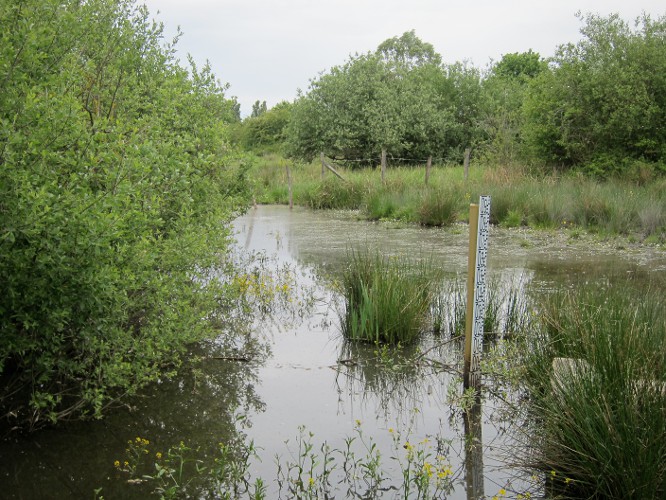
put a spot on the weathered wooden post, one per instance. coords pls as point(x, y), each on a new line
point(291, 193)
point(468, 152)
point(479, 227)
point(383, 165)
point(428, 166)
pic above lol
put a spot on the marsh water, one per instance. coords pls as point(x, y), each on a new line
point(294, 378)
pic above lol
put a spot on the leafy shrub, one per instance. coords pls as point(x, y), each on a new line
point(114, 191)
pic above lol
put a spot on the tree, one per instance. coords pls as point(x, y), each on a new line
point(115, 192)
point(399, 98)
point(266, 132)
point(258, 109)
point(604, 103)
point(504, 91)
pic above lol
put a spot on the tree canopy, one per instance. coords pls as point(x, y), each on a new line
point(399, 98)
point(603, 103)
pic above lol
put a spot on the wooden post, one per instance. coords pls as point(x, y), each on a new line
point(323, 167)
point(474, 338)
point(471, 271)
point(468, 152)
point(428, 165)
point(383, 165)
point(291, 193)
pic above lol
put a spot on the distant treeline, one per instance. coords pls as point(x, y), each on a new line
point(598, 105)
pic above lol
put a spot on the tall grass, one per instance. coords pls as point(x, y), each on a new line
point(603, 414)
point(506, 312)
point(387, 298)
point(607, 207)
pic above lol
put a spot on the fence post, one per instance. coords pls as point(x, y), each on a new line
point(291, 193)
point(428, 165)
point(383, 165)
point(323, 168)
point(468, 152)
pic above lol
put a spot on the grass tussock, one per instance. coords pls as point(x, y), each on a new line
point(387, 298)
point(597, 375)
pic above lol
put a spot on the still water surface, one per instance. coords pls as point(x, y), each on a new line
point(301, 378)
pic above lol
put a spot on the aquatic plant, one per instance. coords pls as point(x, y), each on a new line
point(387, 299)
point(597, 378)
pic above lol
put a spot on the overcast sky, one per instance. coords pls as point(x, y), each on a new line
point(267, 49)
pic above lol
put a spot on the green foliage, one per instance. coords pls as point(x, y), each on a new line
point(387, 298)
point(399, 98)
point(604, 101)
point(604, 425)
point(264, 131)
point(114, 186)
point(501, 118)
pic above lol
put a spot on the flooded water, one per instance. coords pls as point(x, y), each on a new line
point(304, 380)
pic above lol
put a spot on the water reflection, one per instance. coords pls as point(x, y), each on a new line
point(474, 450)
point(199, 405)
point(311, 377)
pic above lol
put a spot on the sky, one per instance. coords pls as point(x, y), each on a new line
point(267, 50)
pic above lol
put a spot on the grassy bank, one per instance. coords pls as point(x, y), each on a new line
point(634, 208)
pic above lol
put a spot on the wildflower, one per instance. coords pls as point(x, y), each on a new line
point(358, 423)
point(116, 463)
point(444, 473)
point(502, 492)
point(391, 430)
point(567, 480)
point(553, 473)
point(428, 469)
point(126, 463)
point(158, 455)
point(311, 481)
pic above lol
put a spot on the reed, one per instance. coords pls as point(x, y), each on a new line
point(614, 206)
point(597, 377)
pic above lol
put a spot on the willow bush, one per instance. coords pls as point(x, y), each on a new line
point(115, 191)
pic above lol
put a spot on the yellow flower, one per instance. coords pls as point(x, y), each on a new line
point(358, 423)
point(428, 469)
point(158, 455)
point(391, 430)
point(311, 481)
point(116, 463)
point(502, 492)
point(126, 463)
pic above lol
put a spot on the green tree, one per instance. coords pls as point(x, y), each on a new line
point(114, 190)
point(266, 132)
point(502, 118)
point(604, 103)
point(258, 109)
point(399, 98)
